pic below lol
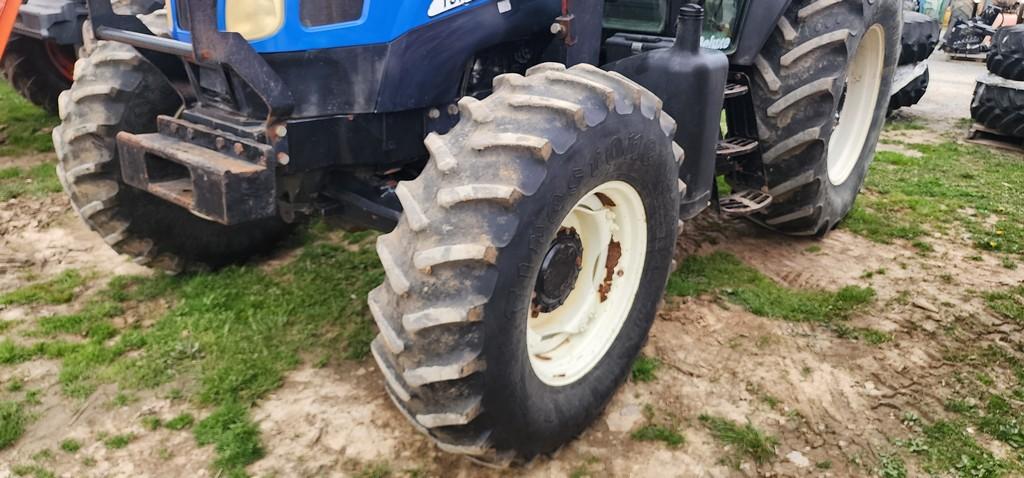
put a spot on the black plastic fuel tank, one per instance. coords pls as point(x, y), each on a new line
point(691, 81)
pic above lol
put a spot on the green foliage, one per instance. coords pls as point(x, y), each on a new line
point(58, 290)
point(233, 434)
point(376, 470)
point(723, 273)
point(746, 440)
point(25, 128)
point(644, 368)
point(35, 471)
point(38, 180)
point(12, 422)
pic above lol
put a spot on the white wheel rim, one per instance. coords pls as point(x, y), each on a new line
point(863, 83)
point(566, 343)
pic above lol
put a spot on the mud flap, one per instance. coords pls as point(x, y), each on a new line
point(8, 14)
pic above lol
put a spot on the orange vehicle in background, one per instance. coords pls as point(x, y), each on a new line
point(8, 13)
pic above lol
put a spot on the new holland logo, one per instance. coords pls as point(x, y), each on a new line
point(438, 7)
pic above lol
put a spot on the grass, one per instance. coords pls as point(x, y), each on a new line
point(724, 274)
point(12, 422)
point(644, 368)
point(118, 442)
point(58, 290)
point(905, 124)
point(234, 435)
point(38, 180)
point(664, 434)
point(746, 440)
point(181, 422)
point(227, 338)
point(664, 430)
point(950, 186)
point(946, 448)
point(1008, 303)
point(24, 128)
point(35, 471)
point(70, 445)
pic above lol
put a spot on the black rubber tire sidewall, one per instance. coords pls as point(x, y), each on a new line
point(919, 39)
point(911, 94)
point(999, 108)
point(839, 199)
point(523, 409)
point(1006, 58)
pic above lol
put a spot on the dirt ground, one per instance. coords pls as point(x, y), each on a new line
point(832, 400)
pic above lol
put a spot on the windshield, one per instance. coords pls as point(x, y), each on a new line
point(655, 17)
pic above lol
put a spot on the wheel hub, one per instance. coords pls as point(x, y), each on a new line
point(558, 271)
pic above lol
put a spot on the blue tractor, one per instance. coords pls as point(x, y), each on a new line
point(530, 163)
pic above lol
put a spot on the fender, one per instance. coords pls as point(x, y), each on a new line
point(758, 23)
point(8, 13)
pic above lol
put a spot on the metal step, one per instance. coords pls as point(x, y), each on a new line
point(744, 203)
point(736, 146)
point(733, 90)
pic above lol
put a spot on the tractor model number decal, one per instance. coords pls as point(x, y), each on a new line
point(438, 7)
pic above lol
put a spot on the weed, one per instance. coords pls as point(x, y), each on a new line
point(823, 465)
point(1008, 303)
point(746, 440)
point(32, 397)
point(151, 423)
point(921, 246)
point(644, 368)
point(813, 249)
point(58, 290)
point(180, 422)
point(70, 445)
point(904, 124)
point(724, 273)
point(38, 180)
point(583, 470)
point(891, 466)
point(35, 471)
point(667, 435)
point(12, 422)
point(946, 447)
point(1009, 263)
point(376, 470)
point(122, 399)
point(233, 434)
point(15, 385)
point(25, 126)
point(949, 184)
point(117, 442)
point(42, 455)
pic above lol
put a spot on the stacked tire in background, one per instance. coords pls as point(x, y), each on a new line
point(999, 95)
point(920, 37)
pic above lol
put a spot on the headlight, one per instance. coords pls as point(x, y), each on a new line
point(254, 19)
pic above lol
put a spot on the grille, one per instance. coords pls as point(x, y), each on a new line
point(315, 13)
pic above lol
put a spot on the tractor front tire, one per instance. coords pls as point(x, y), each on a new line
point(38, 70)
point(827, 60)
point(115, 90)
point(530, 176)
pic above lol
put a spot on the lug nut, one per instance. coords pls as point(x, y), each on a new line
point(434, 113)
point(283, 159)
point(239, 149)
point(281, 131)
point(219, 142)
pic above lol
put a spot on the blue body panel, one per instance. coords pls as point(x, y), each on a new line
point(383, 21)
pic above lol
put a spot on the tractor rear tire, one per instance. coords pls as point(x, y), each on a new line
point(799, 86)
point(920, 37)
point(115, 90)
point(1006, 58)
point(911, 94)
point(38, 70)
point(1000, 108)
point(461, 294)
